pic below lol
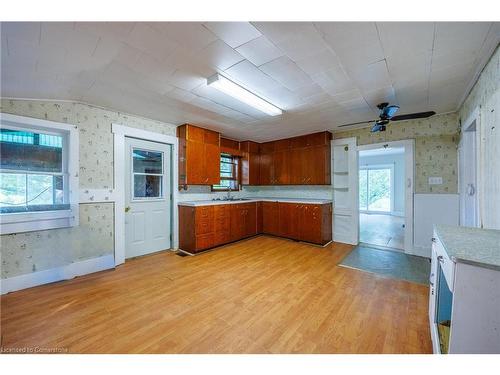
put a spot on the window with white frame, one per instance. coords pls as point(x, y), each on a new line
point(147, 169)
point(36, 158)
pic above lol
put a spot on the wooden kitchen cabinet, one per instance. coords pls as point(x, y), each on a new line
point(270, 218)
point(266, 176)
point(281, 167)
point(306, 222)
point(199, 156)
point(250, 163)
point(288, 218)
point(204, 227)
point(243, 220)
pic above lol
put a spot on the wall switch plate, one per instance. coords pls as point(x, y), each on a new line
point(435, 180)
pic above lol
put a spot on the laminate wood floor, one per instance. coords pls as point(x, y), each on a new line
point(261, 295)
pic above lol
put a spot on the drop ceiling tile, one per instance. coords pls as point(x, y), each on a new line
point(286, 72)
point(106, 50)
point(460, 36)
point(259, 51)
point(151, 41)
point(191, 36)
point(395, 37)
point(279, 32)
point(303, 44)
point(113, 30)
point(27, 31)
point(219, 55)
point(323, 60)
point(253, 79)
point(180, 94)
point(334, 80)
point(356, 43)
point(308, 90)
point(186, 80)
point(346, 96)
point(372, 76)
point(234, 33)
point(385, 94)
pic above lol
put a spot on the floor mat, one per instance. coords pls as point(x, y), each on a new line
point(393, 264)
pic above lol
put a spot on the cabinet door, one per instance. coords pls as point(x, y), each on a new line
point(296, 170)
point(270, 218)
point(281, 167)
point(289, 220)
point(266, 168)
point(195, 174)
point(212, 164)
point(251, 220)
point(237, 223)
point(320, 158)
point(253, 169)
point(310, 221)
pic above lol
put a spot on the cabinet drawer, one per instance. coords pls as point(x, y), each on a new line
point(221, 238)
point(447, 265)
point(204, 212)
point(222, 224)
point(221, 212)
point(204, 241)
point(204, 225)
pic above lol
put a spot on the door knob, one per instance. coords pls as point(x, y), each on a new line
point(127, 209)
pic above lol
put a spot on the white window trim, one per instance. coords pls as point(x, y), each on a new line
point(42, 220)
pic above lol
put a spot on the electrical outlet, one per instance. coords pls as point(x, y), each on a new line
point(435, 180)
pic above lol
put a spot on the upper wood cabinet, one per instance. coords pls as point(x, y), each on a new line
point(303, 160)
point(199, 156)
point(250, 163)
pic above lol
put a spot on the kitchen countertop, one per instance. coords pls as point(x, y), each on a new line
point(471, 245)
point(251, 200)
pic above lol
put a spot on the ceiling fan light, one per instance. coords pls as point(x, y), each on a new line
point(230, 88)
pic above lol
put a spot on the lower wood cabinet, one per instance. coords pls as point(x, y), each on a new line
point(204, 227)
point(306, 222)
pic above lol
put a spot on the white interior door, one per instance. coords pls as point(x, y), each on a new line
point(345, 190)
point(147, 197)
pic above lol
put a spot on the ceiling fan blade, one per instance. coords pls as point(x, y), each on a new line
point(356, 123)
point(413, 116)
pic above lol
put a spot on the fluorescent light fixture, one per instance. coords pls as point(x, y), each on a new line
point(227, 86)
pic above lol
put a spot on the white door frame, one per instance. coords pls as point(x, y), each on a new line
point(409, 146)
point(353, 183)
point(120, 132)
point(473, 119)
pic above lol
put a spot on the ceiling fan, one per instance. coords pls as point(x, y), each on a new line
point(386, 115)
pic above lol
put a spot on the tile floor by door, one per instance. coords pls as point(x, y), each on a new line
point(382, 230)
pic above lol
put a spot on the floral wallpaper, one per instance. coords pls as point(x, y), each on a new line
point(36, 251)
point(436, 140)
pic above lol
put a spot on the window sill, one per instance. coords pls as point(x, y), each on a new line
point(34, 221)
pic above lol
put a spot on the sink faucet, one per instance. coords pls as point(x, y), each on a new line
point(228, 196)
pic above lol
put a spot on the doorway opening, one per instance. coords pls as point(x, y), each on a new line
point(382, 196)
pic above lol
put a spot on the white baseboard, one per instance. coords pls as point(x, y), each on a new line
point(70, 271)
